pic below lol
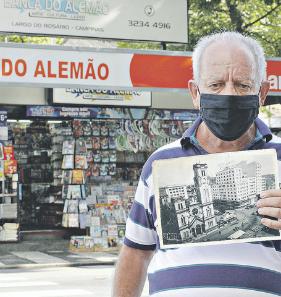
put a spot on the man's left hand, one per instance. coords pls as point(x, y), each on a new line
point(270, 205)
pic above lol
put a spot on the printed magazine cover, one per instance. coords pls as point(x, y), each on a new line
point(77, 176)
point(211, 199)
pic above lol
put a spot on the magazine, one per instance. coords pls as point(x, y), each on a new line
point(1, 151)
point(105, 156)
point(104, 143)
point(96, 143)
point(64, 191)
point(74, 192)
point(112, 230)
point(10, 166)
point(95, 128)
point(67, 177)
point(77, 128)
point(68, 162)
point(95, 231)
point(121, 229)
point(83, 207)
point(86, 127)
point(103, 129)
point(68, 147)
point(80, 147)
point(77, 176)
point(81, 162)
point(9, 152)
point(73, 220)
point(72, 206)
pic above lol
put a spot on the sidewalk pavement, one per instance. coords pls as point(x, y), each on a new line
point(49, 253)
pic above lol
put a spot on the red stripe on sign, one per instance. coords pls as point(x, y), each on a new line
point(157, 71)
point(274, 75)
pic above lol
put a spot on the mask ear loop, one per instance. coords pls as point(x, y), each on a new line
point(199, 96)
point(259, 96)
point(259, 91)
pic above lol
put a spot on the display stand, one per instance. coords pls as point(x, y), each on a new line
point(9, 207)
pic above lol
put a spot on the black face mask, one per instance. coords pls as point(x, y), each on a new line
point(229, 116)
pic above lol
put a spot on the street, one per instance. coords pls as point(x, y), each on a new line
point(82, 281)
point(245, 220)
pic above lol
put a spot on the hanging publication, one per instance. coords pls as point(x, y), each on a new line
point(211, 199)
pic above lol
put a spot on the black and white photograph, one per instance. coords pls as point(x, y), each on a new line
point(211, 199)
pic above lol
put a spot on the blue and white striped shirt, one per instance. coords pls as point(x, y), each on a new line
point(244, 269)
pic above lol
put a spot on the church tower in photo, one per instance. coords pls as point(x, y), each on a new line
point(204, 194)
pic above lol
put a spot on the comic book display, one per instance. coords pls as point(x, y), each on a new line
point(83, 174)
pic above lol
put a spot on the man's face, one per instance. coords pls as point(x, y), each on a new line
point(226, 69)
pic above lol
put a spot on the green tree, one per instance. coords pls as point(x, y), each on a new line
point(259, 19)
point(31, 39)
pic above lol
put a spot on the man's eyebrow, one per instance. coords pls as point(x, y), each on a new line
point(215, 78)
point(220, 78)
point(244, 79)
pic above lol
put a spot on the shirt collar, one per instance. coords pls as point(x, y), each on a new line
point(261, 127)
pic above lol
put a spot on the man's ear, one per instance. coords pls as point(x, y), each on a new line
point(265, 85)
point(193, 90)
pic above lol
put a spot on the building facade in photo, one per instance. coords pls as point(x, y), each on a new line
point(237, 185)
point(193, 205)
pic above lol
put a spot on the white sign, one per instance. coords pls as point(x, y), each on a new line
point(101, 97)
point(67, 67)
point(59, 67)
point(156, 20)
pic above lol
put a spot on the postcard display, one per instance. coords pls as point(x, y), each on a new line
point(9, 226)
point(82, 174)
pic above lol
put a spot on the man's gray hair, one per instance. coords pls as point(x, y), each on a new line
point(254, 47)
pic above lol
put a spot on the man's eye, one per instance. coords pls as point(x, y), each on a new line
point(245, 87)
point(215, 85)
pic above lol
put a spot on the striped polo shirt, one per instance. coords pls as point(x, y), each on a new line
point(238, 269)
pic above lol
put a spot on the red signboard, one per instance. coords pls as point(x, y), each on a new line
point(68, 67)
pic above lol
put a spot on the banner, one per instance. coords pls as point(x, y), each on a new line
point(85, 68)
point(101, 97)
point(155, 20)
point(109, 113)
point(61, 112)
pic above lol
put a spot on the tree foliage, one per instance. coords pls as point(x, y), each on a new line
point(30, 39)
point(260, 19)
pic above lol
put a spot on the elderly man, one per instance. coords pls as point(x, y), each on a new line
point(229, 86)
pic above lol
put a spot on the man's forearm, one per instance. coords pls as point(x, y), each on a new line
point(130, 273)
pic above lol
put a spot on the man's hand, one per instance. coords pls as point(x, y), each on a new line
point(270, 205)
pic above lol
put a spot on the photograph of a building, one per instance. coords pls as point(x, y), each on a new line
point(212, 198)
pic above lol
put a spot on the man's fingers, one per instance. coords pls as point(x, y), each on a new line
point(271, 224)
point(270, 202)
point(270, 211)
point(270, 193)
